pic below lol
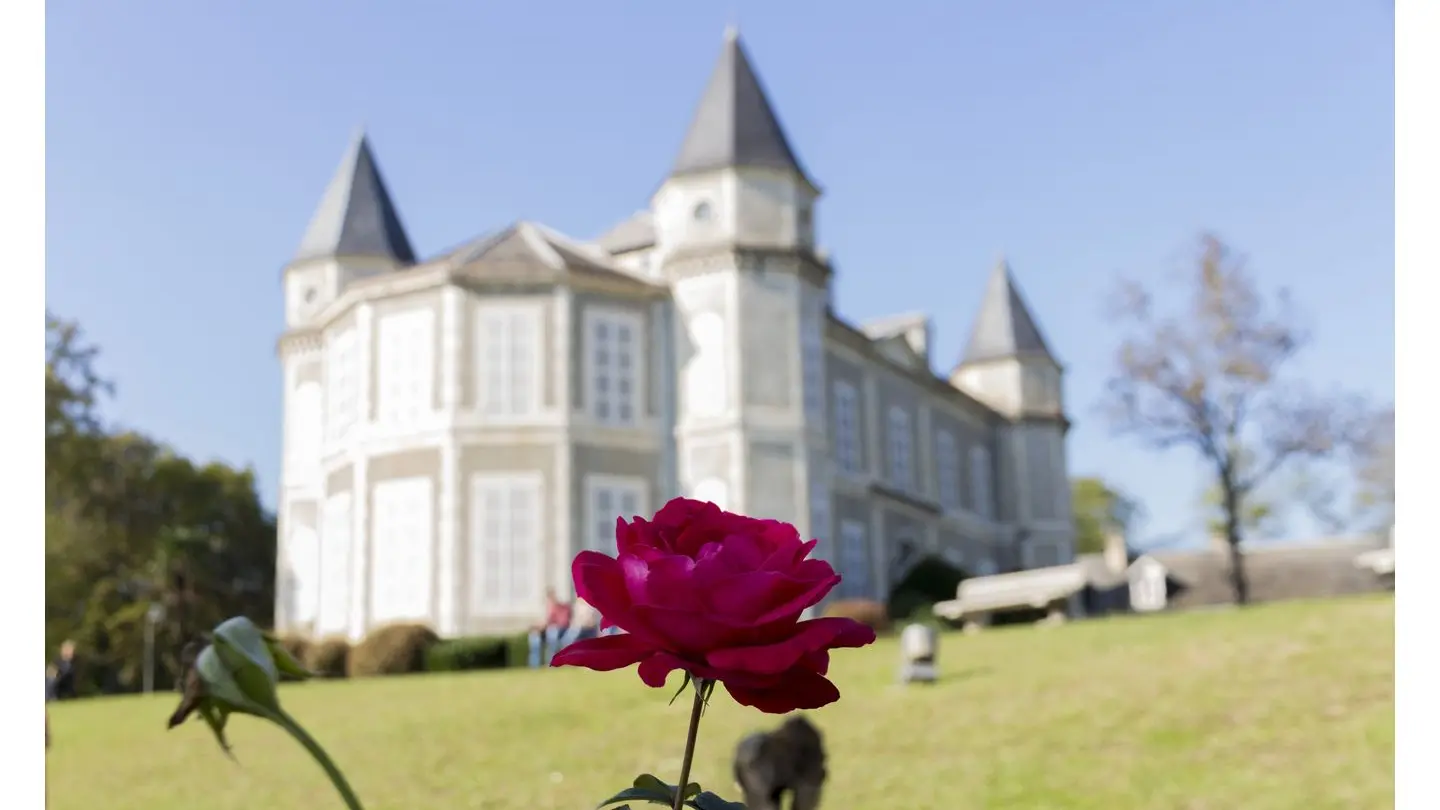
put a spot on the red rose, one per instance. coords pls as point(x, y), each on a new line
point(717, 595)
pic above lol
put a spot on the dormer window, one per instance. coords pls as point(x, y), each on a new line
point(703, 212)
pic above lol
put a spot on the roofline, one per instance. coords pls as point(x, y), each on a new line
point(1025, 355)
point(925, 377)
point(816, 190)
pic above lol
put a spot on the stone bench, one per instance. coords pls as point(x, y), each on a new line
point(980, 598)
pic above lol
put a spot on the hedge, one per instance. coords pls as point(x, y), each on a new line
point(478, 652)
point(866, 611)
point(395, 649)
point(328, 658)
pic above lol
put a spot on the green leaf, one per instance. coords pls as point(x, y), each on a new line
point(651, 782)
point(214, 717)
point(284, 661)
point(709, 801)
point(634, 794)
point(684, 683)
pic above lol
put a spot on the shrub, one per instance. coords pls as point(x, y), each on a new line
point(329, 658)
point(395, 649)
point(866, 611)
point(478, 652)
point(930, 580)
point(911, 606)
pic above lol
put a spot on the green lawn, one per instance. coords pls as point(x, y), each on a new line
point(1284, 706)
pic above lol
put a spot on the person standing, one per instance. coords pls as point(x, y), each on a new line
point(545, 638)
point(61, 680)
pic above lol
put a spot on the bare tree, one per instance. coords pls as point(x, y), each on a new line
point(1209, 378)
point(1375, 468)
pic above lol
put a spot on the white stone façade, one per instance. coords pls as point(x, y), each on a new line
point(458, 427)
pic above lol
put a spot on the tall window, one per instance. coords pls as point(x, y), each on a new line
point(402, 537)
point(302, 550)
point(820, 514)
point(342, 384)
point(981, 474)
point(712, 490)
point(901, 449)
point(853, 560)
point(847, 427)
point(511, 365)
point(335, 557)
point(405, 365)
point(947, 469)
point(303, 427)
point(812, 356)
point(612, 365)
point(505, 543)
point(608, 498)
point(706, 374)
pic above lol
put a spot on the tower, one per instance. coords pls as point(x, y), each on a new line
point(1008, 366)
point(354, 233)
point(735, 238)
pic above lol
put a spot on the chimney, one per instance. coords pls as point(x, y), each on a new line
point(1117, 553)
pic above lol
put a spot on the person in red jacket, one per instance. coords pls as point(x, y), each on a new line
point(545, 638)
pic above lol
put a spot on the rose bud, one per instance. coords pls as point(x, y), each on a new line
point(236, 672)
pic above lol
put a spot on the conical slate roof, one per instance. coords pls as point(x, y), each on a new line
point(734, 124)
point(1004, 326)
point(356, 216)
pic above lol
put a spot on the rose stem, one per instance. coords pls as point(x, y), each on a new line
point(331, 770)
point(694, 731)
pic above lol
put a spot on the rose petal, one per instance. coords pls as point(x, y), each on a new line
point(600, 581)
point(795, 690)
point(683, 631)
point(656, 668)
point(819, 661)
point(679, 513)
point(789, 555)
point(797, 603)
point(662, 582)
point(810, 636)
point(740, 599)
point(603, 654)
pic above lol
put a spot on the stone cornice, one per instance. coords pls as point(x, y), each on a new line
point(695, 261)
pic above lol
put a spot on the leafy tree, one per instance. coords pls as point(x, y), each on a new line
point(131, 523)
point(1211, 378)
point(1099, 510)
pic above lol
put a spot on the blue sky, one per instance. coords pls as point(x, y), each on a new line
point(189, 142)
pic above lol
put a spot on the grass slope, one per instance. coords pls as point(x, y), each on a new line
point(1284, 706)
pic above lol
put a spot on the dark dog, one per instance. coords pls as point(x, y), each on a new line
point(790, 759)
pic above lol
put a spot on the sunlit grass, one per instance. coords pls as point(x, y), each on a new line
point(1277, 707)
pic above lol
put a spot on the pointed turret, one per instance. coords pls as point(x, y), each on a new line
point(356, 217)
point(1004, 328)
point(734, 125)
